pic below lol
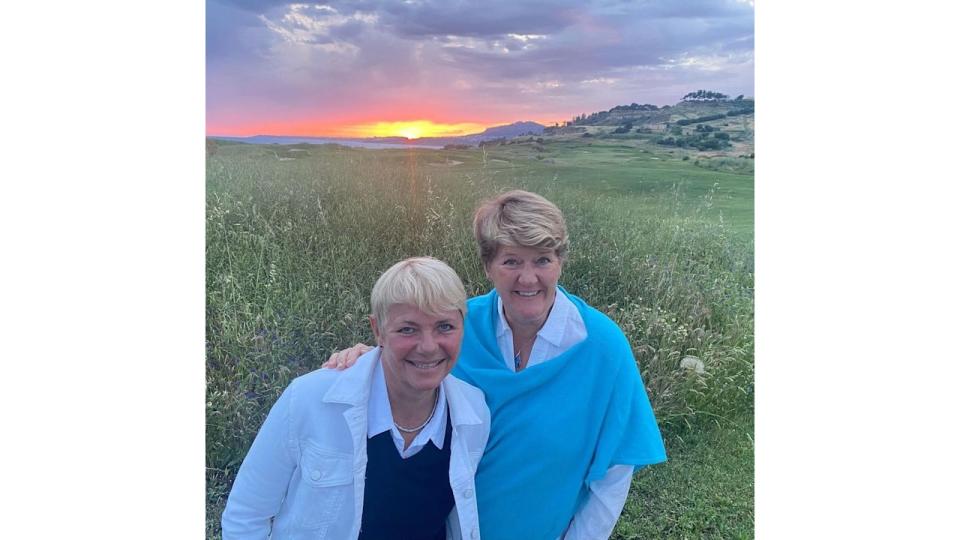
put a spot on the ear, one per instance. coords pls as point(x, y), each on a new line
point(486, 270)
point(375, 328)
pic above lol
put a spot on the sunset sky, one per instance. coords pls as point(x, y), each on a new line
point(420, 68)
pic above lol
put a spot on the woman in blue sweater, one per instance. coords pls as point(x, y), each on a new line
point(570, 418)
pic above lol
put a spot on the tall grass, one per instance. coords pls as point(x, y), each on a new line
point(294, 246)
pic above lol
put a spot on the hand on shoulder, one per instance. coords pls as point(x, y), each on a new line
point(347, 357)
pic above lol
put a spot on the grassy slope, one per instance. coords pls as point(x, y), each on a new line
point(613, 167)
point(705, 490)
point(655, 243)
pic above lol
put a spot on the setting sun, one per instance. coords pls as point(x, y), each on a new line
point(413, 129)
point(412, 132)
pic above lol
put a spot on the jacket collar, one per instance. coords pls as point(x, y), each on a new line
point(462, 411)
point(352, 387)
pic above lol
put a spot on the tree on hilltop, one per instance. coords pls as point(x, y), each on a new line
point(634, 107)
point(705, 95)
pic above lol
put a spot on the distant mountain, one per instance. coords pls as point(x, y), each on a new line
point(515, 129)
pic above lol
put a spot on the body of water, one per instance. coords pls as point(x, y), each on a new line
point(356, 143)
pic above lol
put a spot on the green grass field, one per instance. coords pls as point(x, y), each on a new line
point(705, 490)
point(297, 235)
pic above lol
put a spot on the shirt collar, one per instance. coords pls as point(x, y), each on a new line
point(553, 328)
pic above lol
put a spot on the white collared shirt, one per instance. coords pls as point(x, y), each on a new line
point(380, 418)
point(563, 329)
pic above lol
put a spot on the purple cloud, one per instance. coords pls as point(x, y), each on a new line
point(502, 60)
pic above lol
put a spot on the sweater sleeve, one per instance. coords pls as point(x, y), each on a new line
point(629, 434)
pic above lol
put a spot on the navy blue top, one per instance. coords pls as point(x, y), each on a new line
point(406, 499)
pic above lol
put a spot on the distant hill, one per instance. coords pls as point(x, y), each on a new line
point(684, 112)
point(704, 121)
point(515, 129)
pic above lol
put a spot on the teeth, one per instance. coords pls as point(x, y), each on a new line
point(527, 294)
point(426, 366)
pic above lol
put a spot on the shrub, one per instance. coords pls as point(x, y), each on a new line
point(688, 121)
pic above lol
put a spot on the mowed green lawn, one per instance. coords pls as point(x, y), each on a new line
point(296, 236)
point(618, 169)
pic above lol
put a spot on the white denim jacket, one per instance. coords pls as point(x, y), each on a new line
point(304, 474)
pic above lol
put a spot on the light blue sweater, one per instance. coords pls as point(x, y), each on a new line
point(556, 426)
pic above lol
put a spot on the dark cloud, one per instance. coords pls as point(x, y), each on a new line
point(690, 9)
point(606, 44)
point(487, 19)
point(496, 55)
point(229, 32)
point(349, 31)
point(258, 6)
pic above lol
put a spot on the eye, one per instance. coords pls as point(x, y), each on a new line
point(446, 327)
point(406, 331)
point(543, 261)
point(511, 262)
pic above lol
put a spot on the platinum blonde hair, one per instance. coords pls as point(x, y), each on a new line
point(424, 282)
point(519, 219)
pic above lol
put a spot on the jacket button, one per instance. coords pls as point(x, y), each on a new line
point(468, 493)
point(316, 475)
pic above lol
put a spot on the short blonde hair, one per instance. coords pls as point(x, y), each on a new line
point(424, 282)
point(519, 219)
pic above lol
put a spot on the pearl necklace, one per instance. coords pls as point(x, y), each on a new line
point(436, 400)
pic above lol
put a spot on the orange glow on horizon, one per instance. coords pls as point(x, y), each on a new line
point(411, 129)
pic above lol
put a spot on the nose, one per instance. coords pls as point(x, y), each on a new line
point(427, 343)
point(527, 276)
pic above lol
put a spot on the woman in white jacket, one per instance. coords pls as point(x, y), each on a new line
point(385, 450)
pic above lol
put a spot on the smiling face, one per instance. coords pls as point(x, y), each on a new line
point(419, 349)
point(526, 280)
